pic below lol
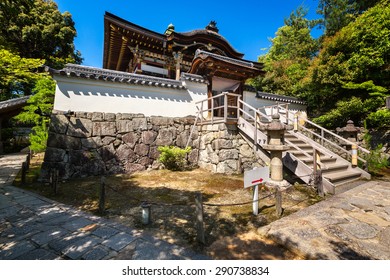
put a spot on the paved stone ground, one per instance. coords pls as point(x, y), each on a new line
point(350, 225)
point(33, 227)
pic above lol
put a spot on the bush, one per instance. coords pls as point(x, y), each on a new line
point(173, 158)
point(377, 160)
point(379, 119)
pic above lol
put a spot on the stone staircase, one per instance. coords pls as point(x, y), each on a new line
point(304, 150)
point(336, 171)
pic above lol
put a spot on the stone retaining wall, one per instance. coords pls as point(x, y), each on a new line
point(223, 150)
point(85, 144)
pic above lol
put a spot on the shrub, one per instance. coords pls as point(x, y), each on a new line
point(379, 119)
point(377, 159)
point(173, 158)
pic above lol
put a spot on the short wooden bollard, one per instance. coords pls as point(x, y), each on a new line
point(199, 218)
point(318, 183)
point(54, 180)
point(102, 195)
point(24, 171)
point(278, 202)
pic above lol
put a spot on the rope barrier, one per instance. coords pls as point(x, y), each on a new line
point(238, 204)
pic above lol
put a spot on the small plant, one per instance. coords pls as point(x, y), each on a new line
point(173, 158)
point(377, 160)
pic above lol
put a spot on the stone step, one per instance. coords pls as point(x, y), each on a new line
point(332, 167)
point(324, 159)
point(342, 177)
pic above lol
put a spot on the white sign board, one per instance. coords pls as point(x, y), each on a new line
point(256, 176)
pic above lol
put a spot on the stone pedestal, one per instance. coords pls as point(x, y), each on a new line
point(276, 146)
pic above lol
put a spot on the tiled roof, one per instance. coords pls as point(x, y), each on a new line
point(193, 78)
point(15, 102)
point(225, 58)
point(275, 97)
point(86, 72)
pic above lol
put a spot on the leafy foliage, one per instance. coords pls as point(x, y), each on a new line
point(37, 29)
point(289, 56)
point(339, 13)
point(379, 119)
point(16, 74)
point(353, 63)
point(37, 112)
point(173, 158)
point(353, 109)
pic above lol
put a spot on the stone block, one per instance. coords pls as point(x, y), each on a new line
point(131, 138)
point(148, 137)
point(145, 161)
point(59, 124)
point(193, 157)
point(107, 152)
point(246, 151)
point(97, 116)
point(104, 129)
point(79, 128)
point(228, 154)
point(227, 167)
point(94, 167)
point(140, 123)
point(141, 149)
point(107, 140)
point(125, 154)
point(61, 141)
point(161, 121)
point(92, 142)
point(165, 137)
point(182, 138)
point(83, 115)
point(54, 155)
point(153, 152)
point(81, 157)
point(124, 126)
point(110, 117)
point(219, 144)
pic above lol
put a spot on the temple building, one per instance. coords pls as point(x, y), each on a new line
point(159, 74)
point(158, 90)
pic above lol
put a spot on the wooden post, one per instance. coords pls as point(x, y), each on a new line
point(24, 171)
point(317, 174)
point(319, 185)
point(278, 202)
point(225, 107)
point(54, 179)
point(102, 194)
point(199, 218)
point(28, 159)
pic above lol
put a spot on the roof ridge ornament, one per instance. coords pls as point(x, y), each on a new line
point(212, 26)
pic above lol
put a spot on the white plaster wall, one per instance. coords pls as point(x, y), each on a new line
point(250, 98)
point(77, 94)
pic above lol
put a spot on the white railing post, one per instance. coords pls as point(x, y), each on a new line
point(295, 122)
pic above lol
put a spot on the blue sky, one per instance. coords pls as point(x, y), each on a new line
point(247, 25)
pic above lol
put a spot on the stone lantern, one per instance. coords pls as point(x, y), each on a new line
point(276, 146)
point(349, 132)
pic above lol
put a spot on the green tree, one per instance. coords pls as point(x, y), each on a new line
point(289, 56)
point(37, 29)
point(352, 65)
point(16, 74)
point(37, 112)
point(339, 13)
